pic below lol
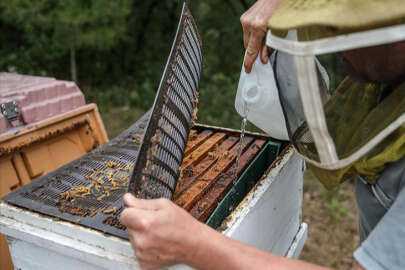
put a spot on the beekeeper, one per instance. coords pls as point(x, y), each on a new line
point(340, 71)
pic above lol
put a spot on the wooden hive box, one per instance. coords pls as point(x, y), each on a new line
point(53, 126)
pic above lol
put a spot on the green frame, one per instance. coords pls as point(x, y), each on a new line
point(245, 183)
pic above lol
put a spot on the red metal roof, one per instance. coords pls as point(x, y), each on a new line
point(38, 98)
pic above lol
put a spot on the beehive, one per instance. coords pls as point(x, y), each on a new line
point(89, 191)
point(268, 217)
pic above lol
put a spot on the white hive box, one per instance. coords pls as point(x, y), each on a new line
point(269, 218)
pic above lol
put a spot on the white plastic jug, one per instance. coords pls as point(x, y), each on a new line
point(258, 92)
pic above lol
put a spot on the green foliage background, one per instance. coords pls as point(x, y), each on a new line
point(121, 47)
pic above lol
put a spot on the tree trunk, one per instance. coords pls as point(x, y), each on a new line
point(145, 22)
point(73, 67)
point(244, 4)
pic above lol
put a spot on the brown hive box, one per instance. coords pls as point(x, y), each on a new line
point(52, 127)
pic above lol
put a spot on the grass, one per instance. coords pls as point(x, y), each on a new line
point(118, 119)
point(332, 224)
point(330, 214)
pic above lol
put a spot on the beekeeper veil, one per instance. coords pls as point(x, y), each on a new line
point(336, 122)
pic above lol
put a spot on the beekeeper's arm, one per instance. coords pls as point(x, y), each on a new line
point(163, 234)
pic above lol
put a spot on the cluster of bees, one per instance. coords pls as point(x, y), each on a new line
point(193, 135)
point(115, 222)
point(102, 184)
point(137, 140)
point(195, 110)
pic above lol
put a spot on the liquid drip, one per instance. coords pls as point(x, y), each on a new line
point(241, 142)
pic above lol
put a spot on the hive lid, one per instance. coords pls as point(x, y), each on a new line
point(33, 99)
point(156, 169)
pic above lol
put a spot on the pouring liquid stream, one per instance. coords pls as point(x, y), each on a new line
point(241, 142)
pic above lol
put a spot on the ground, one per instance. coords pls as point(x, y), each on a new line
point(118, 119)
point(332, 224)
point(331, 214)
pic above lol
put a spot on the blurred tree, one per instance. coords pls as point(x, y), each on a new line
point(120, 48)
point(222, 37)
point(69, 24)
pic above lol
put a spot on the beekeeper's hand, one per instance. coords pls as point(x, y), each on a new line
point(161, 232)
point(254, 24)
